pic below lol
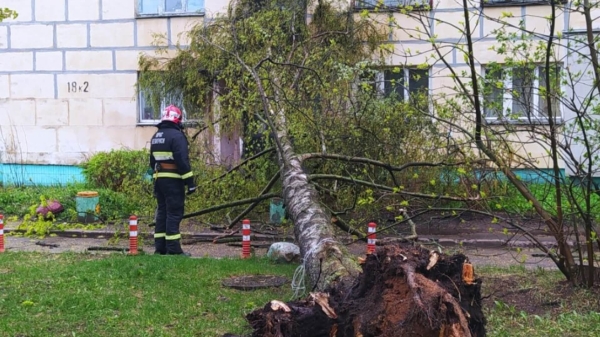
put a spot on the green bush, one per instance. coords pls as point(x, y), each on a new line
point(117, 170)
point(119, 177)
point(114, 206)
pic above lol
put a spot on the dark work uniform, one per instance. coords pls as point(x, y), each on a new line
point(170, 161)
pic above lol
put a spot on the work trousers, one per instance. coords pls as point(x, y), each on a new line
point(170, 195)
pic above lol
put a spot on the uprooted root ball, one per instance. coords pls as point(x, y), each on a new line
point(402, 291)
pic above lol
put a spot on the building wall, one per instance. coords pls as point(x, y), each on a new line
point(68, 73)
point(581, 94)
point(68, 68)
point(410, 35)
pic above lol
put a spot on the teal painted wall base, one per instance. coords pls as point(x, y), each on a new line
point(40, 175)
point(52, 175)
point(539, 176)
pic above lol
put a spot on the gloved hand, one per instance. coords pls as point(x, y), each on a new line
point(191, 189)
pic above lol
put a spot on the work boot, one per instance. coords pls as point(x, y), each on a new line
point(160, 246)
point(174, 247)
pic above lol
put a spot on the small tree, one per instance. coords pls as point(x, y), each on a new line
point(475, 109)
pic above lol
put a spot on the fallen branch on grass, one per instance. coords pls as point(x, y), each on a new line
point(43, 244)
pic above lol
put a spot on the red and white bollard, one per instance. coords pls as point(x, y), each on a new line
point(371, 237)
point(1, 233)
point(245, 239)
point(133, 235)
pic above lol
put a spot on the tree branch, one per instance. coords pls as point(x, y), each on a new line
point(377, 162)
point(254, 204)
point(387, 188)
point(224, 206)
point(241, 164)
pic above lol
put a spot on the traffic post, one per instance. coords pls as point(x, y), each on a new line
point(371, 237)
point(133, 235)
point(245, 239)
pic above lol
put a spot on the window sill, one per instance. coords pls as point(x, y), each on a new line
point(147, 123)
point(509, 3)
point(169, 15)
point(187, 124)
point(523, 122)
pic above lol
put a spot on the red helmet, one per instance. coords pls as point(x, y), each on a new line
point(171, 114)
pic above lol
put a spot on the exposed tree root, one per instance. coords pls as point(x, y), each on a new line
point(399, 293)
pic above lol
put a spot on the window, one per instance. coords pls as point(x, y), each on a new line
point(170, 7)
point(391, 4)
point(401, 83)
point(519, 94)
point(150, 115)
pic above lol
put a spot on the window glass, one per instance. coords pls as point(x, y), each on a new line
point(522, 91)
point(173, 6)
point(159, 7)
point(494, 93)
point(394, 83)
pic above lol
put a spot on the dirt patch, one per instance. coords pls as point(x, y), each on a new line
point(518, 293)
point(252, 282)
point(511, 291)
point(397, 294)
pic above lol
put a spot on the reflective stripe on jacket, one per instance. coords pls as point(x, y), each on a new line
point(169, 145)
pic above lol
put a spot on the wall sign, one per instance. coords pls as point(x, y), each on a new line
point(77, 87)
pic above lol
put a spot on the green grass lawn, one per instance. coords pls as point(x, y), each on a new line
point(119, 295)
point(87, 295)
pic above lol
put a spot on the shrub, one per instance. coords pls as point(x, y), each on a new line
point(117, 170)
point(18, 201)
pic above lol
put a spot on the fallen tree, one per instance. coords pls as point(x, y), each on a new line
point(299, 79)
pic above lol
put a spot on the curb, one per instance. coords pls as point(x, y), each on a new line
point(102, 234)
point(209, 237)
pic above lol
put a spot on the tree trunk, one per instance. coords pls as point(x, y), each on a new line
point(326, 261)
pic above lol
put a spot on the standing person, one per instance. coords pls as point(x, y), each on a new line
point(170, 161)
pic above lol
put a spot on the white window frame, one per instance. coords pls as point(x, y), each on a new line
point(507, 102)
point(162, 10)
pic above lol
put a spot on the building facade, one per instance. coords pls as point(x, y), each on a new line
point(68, 79)
point(520, 101)
point(69, 69)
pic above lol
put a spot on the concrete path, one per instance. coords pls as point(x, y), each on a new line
point(100, 243)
